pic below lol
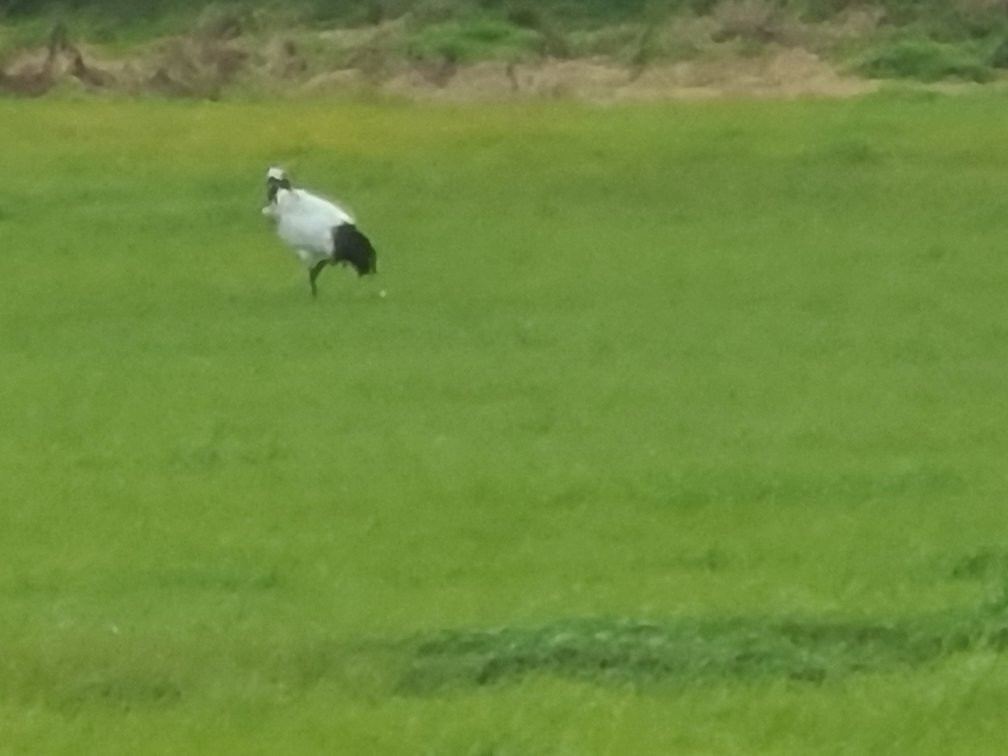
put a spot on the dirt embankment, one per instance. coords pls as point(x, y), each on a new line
point(216, 59)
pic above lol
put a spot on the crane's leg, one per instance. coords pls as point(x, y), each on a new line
point(313, 274)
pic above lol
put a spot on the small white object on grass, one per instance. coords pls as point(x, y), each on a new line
point(321, 232)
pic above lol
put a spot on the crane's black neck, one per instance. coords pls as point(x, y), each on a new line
point(273, 185)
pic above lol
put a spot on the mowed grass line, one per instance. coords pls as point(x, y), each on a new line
point(728, 365)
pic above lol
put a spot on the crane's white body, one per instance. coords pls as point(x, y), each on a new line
point(305, 222)
point(320, 232)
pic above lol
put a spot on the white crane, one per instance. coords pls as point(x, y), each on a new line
point(320, 232)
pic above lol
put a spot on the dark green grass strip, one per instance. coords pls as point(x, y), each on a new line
point(684, 652)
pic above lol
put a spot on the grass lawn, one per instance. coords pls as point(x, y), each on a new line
point(682, 428)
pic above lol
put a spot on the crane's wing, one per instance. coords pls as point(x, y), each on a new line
point(322, 210)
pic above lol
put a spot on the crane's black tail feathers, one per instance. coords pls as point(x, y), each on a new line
point(351, 246)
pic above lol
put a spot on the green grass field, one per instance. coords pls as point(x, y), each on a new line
point(681, 429)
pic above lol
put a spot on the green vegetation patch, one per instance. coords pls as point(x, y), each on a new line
point(462, 41)
point(687, 652)
point(926, 60)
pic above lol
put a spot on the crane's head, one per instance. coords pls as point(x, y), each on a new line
point(276, 180)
